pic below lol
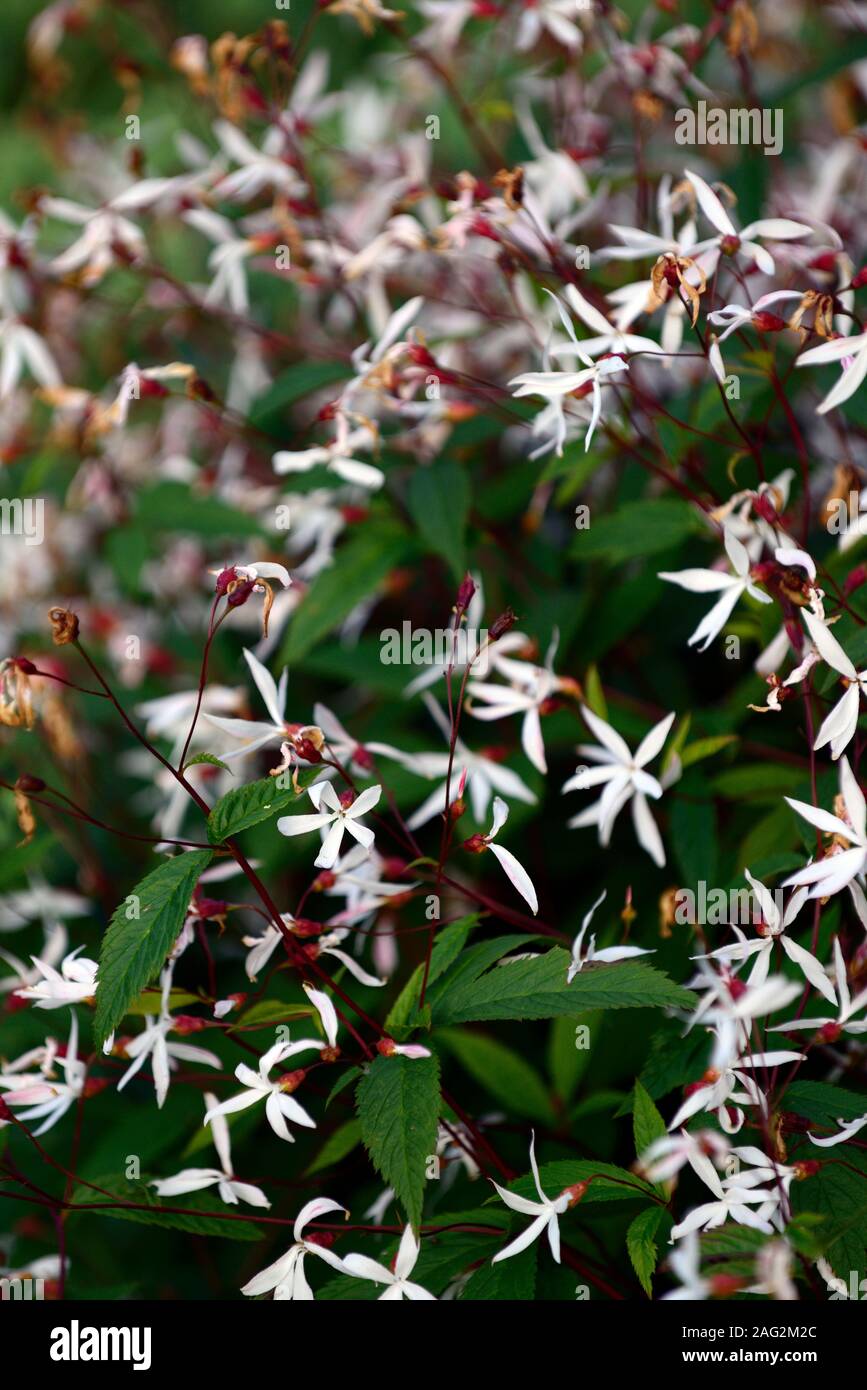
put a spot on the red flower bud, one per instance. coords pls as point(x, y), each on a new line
point(24, 664)
point(28, 783)
point(504, 623)
point(730, 245)
point(291, 1080)
point(187, 1023)
point(476, 844)
point(768, 323)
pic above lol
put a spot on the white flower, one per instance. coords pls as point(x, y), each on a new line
point(256, 734)
point(399, 1284)
point(531, 688)
point(848, 1129)
point(338, 457)
point(665, 1157)
point(56, 940)
point(625, 777)
point(726, 1074)
point(263, 947)
point(72, 984)
point(331, 810)
point(22, 349)
point(49, 1100)
point(730, 239)
point(733, 1198)
point(545, 1212)
point(839, 867)
point(286, 1276)
point(774, 929)
point(279, 1104)
point(580, 958)
point(195, 1179)
point(845, 1022)
point(554, 386)
point(732, 317)
point(731, 587)
point(852, 352)
point(514, 871)
point(838, 727)
point(258, 169)
point(685, 1265)
point(557, 16)
point(153, 1043)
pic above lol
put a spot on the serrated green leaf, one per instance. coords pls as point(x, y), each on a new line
point(134, 949)
point(448, 945)
point(398, 1101)
point(513, 1279)
point(537, 988)
point(242, 807)
point(647, 1123)
point(641, 1244)
point(211, 759)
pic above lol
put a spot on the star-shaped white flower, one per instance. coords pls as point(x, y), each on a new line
point(280, 1106)
point(839, 868)
point(74, 982)
point(731, 587)
point(340, 813)
point(625, 777)
point(838, 727)
point(545, 1213)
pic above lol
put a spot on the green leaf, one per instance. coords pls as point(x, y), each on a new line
point(567, 1062)
point(150, 1001)
point(257, 801)
point(647, 1123)
point(439, 503)
point(512, 1082)
point(594, 695)
point(705, 748)
point(296, 382)
point(636, 528)
point(513, 1279)
point(537, 988)
point(211, 759)
point(641, 1244)
point(265, 1013)
point(825, 1104)
point(205, 1221)
point(172, 506)
point(346, 1079)
point(358, 572)
point(610, 1183)
point(338, 1144)
point(398, 1101)
point(449, 943)
point(134, 949)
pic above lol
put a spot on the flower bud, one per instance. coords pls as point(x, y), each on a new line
point(504, 623)
point(291, 1080)
point(476, 844)
point(28, 783)
point(768, 323)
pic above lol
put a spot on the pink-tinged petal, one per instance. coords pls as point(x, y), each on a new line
point(531, 739)
point(319, 1206)
point(847, 385)
point(517, 876)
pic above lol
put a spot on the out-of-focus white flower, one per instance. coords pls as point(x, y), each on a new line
point(398, 1283)
point(852, 353)
point(47, 1098)
point(286, 1276)
point(685, 1264)
point(590, 956)
point(838, 727)
point(22, 349)
point(72, 984)
point(558, 17)
point(625, 778)
point(531, 688)
point(196, 1179)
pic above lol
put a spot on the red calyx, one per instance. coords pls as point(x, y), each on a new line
point(476, 844)
point(767, 323)
point(24, 664)
point(729, 245)
point(187, 1023)
point(306, 927)
point(224, 579)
